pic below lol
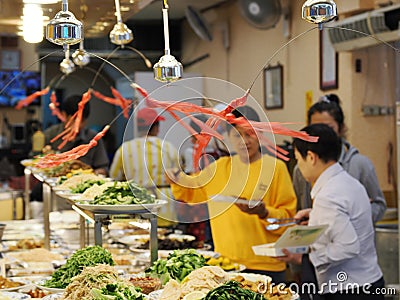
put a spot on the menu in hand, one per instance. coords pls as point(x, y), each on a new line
point(296, 239)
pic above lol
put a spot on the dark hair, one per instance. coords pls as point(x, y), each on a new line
point(246, 112)
point(70, 106)
point(331, 104)
point(328, 147)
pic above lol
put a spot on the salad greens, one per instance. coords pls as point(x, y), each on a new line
point(89, 256)
point(81, 187)
point(122, 193)
point(232, 291)
point(178, 265)
point(118, 291)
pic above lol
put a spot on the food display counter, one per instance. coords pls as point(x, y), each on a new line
point(99, 215)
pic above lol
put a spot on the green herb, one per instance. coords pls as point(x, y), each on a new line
point(118, 291)
point(232, 291)
point(89, 256)
point(123, 193)
point(178, 265)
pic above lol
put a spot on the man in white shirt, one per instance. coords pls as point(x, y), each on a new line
point(344, 257)
point(144, 160)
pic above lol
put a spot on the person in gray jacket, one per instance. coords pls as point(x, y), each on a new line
point(329, 112)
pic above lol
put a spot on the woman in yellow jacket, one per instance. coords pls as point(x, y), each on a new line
point(249, 175)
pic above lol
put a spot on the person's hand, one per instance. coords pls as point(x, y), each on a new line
point(258, 209)
point(172, 175)
point(303, 214)
point(294, 258)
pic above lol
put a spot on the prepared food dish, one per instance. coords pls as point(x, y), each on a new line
point(202, 280)
point(89, 256)
point(264, 288)
point(124, 193)
point(96, 190)
point(36, 255)
point(101, 282)
point(27, 244)
point(178, 265)
point(224, 262)
point(172, 244)
point(147, 284)
point(77, 180)
point(37, 293)
point(7, 283)
point(66, 168)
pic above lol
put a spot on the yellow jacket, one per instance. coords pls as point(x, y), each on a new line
point(235, 232)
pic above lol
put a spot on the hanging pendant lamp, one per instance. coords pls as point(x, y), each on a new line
point(64, 28)
point(80, 57)
point(67, 66)
point(317, 11)
point(167, 69)
point(120, 34)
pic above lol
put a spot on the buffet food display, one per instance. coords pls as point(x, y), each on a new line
point(121, 268)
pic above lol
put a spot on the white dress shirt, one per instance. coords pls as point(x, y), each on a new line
point(345, 254)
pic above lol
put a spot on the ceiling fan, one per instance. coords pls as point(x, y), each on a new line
point(262, 14)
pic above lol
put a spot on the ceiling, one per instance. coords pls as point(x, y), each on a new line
point(98, 16)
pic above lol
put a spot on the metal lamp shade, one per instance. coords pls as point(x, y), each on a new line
point(80, 58)
point(317, 11)
point(121, 34)
point(64, 29)
point(67, 66)
point(167, 69)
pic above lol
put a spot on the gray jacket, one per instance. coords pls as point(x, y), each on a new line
point(359, 167)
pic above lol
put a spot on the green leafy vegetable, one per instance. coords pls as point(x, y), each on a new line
point(118, 291)
point(232, 291)
point(178, 265)
point(123, 193)
point(89, 256)
point(81, 187)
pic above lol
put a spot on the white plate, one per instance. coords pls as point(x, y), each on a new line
point(143, 238)
point(60, 188)
point(208, 253)
point(39, 284)
point(52, 290)
point(251, 276)
point(26, 162)
point(14, 295)
point(16, 288)
point(52, 180)
point(65, 194)
point(121, 208)
point(145, 256)
point(53, 296)
point(78, 198)
point(181, 237)
point(134, 239)
point(232, 199)
point(155, 295)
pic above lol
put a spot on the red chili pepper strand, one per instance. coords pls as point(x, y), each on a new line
point(52, 160)
point(123, 102)
point(28, 100)
point(81, 105)
point(53, 107)
point(105, 98)
point(60, 135)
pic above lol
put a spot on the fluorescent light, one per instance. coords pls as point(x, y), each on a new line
point(32, 21)
point(41, 1)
